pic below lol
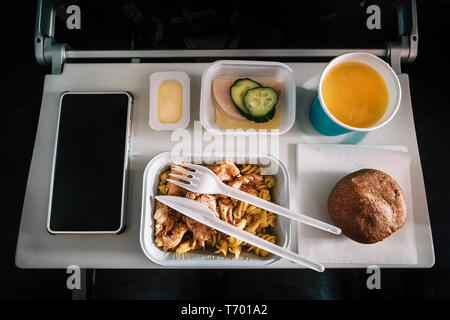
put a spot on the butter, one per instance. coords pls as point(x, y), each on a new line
point(170, 102)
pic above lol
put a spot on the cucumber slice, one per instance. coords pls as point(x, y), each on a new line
point(238, 90)
point(261, 103)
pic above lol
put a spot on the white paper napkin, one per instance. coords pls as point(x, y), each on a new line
point(319, 167)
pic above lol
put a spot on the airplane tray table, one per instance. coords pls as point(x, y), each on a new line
point(36, 248)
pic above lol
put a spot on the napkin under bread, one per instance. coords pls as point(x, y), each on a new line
point(319, 167)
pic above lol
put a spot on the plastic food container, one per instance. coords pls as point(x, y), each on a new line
point(156, 79)
point(207, 258)
point(248, 69)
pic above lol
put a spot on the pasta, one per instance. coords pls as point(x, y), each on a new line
point(248, 217)
point(250, 168)
point(222, 247)
point(270, 181)
point(213, 241)
point(186, 246)
point(162, 182)
point(259, 251)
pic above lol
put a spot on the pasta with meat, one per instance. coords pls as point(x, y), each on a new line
point(181, 234)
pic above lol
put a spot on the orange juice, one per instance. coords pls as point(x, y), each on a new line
point(355, 94)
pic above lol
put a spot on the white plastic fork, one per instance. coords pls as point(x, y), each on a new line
point(203, 180)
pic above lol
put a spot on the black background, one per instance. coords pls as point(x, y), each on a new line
point(21, 98)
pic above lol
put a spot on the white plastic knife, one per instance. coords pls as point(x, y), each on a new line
point(201, 213)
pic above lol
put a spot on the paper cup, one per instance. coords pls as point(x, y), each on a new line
point(322, 119)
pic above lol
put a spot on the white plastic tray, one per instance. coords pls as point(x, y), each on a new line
point(36, 248)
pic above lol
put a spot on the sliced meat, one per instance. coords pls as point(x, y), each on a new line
point(192, 195)
point(222, 97)
point(226, 171)
point(226, 213)
point(164, 218)
point(158, 228)
point(210, 200)
point(173, 238)
point(240, 223)
point(238, 182)
point(200, 232)
point(249, 183)
point(226, 210)
point(173, 189)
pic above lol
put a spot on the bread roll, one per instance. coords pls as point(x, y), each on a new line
point(368, 205)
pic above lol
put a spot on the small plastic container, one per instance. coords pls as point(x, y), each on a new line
point(156, 79)
point(207, 258)
point(248, 69)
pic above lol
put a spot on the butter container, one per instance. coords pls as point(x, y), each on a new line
point(169, 100)
point(206, 257)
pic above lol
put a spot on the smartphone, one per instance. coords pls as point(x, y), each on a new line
point(89, 174)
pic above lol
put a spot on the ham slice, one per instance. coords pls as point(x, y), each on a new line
point(222, 98)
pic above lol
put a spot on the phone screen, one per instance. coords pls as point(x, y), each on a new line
point(89, 167)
